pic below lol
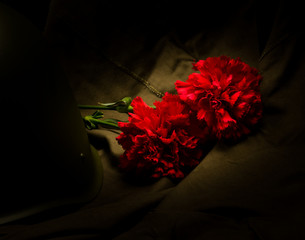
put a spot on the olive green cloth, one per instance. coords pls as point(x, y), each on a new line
point(254, 189)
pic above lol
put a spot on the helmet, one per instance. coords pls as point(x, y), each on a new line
point(46, 159)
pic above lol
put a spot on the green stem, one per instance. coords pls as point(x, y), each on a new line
point(95, 107)
point(122, 109)
point(105, 123)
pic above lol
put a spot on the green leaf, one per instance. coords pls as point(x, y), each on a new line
point(91, 121)
point(98, 114)
point(89, 124)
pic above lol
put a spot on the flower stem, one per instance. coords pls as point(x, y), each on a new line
point(121, 109)
point(81, 106)
point(91, 123)
point(107, 124)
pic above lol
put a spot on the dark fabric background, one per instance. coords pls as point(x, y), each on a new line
point(250, 190)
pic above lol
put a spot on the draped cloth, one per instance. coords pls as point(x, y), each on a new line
point(254, 189)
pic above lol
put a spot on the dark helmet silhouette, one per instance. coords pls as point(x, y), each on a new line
point(46, 159)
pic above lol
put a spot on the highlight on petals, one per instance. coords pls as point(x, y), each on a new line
point(225, 94)
point(161, 141)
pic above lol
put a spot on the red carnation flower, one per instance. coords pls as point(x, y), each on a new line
point(161, 141)
point(225, 94)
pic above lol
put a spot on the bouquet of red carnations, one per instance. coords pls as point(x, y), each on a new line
point(220, 101)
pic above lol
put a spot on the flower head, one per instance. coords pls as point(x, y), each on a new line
point(225, 94)
point(161, 141)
